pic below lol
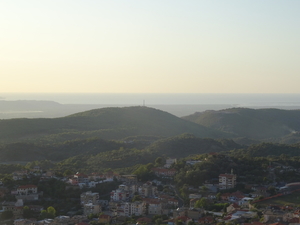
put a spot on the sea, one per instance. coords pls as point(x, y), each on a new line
point(178, 104)
point(240, 100)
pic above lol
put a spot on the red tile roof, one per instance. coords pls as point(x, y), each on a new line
point(27, 186)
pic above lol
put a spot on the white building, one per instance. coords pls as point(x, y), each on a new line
point(170, 162)
point(119, 195)
point(27, 190)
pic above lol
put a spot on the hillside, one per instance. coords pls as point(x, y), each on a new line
point(251, 123)
point(179, 146)
point(106, 123)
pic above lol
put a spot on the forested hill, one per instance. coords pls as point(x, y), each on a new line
point(251, 123)
point(106, 123)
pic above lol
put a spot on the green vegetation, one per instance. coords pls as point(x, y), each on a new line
point(291, 199)
point(272, 124)
point(107, 123)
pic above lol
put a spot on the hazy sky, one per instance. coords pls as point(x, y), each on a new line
point(153, 46)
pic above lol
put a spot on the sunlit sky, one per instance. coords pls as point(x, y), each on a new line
point(150, 46)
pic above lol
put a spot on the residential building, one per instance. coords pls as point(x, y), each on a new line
point(154, 206)
point(90, 208)
point(89, 197)
point(227, 181)
point(119, 195)
point(27, 190)
point(170, 162)
point(163, 172)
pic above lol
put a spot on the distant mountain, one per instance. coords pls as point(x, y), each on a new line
point(251, 123)
point(107, 123)
point(51, 109)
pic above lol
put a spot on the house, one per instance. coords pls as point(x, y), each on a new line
point(206, 220)
point(259, 191)
point(49, 173)
point(104, 219)
point(27, 189)
point(195, 196)
point(62, 220)
point(79, 178)
point(183, 211)
point(183, 219)
point(236, 196)
point(128, 208)
point(15, 207)
point(170, 162)
point(245, 202)
point(271, 215)
point(163, 172)
point(194, 214)
point(119, 195)
point(154, 206)
point(27, 192)
point(36, 208)
point(148, 190)
point(19, 175)
point(232, 208)
point(24, 221)
point(144, 220)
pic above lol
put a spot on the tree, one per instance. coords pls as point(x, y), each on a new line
point(158, 221)
point(159, 161)
point(43, 215)
point(184, 191)
point(136, 198)
point(6, 215)
point(202, 203)
point(68, 173)
point(51, 211)
point(178, 222)
point(27, 213)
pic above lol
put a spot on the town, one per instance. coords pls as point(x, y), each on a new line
point(113, 198)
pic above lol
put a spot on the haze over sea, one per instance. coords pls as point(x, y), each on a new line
point(238, 100)
point(38, 105)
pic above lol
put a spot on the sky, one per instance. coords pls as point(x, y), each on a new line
point(150, 46)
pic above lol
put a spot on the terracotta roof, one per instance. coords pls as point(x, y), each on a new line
point(151, 200)
point(294, 220)
point(27, 186)
point(144, 219)
point(182, 218)
point(206, 219)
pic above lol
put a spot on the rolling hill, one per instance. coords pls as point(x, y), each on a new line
point(260, 124)
point(107, 123)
